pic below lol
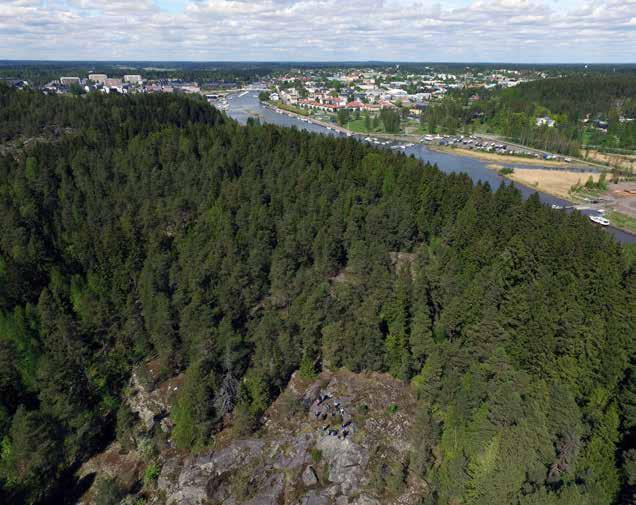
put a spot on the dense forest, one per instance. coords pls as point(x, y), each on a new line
point(156, 226)
point(40, 72)
point(575, 102)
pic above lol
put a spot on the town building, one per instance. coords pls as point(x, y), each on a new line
point(68, 81)
point(113, 82)
point(98, 78)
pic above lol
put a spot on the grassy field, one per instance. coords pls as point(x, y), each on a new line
point(622, 221)
point(357, 125)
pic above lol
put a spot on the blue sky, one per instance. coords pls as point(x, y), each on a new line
point(550, 31)
point(172, 5)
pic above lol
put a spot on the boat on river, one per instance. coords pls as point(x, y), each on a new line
point(600, 220)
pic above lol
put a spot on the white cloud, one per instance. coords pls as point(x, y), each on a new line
point(482, 30)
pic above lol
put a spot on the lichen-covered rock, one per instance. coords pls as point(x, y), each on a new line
point(315, 498)
point(151, 399)
point(347, 462)
point(320, 445)
point(114, 463)
point(203, 477)
point(309, 477)
point(365, 499)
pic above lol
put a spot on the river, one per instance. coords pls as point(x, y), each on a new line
point(243, 106)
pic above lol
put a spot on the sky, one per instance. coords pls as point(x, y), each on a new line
point(515, 31)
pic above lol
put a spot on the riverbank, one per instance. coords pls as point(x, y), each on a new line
point(622, 221)
point(558, 183)
point(553, 182)
point(500, 158)
point(430, 152)
point(396, 137)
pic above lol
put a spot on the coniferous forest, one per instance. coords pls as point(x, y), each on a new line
point(156, 226)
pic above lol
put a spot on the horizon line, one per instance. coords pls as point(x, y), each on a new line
point(455, 62)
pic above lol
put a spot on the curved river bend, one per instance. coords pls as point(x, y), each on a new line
point(246, 105)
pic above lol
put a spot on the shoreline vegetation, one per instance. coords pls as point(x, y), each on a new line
point(557, 183)
point(411, 137)
point(505, 158)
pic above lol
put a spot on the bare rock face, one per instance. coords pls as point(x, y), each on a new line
point(347, 462)
point(315, 498)
point(202, 478)
point(150, 399)
point(324, 442)
point(113, 463)
point(310, 478)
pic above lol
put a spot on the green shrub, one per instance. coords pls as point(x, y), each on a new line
point(316, 455)
point(151, 473)
point(108, 491)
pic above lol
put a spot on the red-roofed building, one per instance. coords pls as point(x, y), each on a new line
point(385, 104)
point(355, 105)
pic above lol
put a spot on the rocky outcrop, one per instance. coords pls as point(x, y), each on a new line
point(113, 463)
point(325, 452)
point(150, 399)
point(329, 441)
point(346, 461)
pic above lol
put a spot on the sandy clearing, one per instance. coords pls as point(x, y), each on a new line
point(554, 182)
point(623, 161)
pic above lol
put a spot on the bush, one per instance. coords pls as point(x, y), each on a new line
point(125, 423)
point(108, 491)
point(151, 473)
point(147, 449)
point(245, 421)
point(316, 455)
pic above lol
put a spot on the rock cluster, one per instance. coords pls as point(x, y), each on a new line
point(152, 401)
point(323, 454)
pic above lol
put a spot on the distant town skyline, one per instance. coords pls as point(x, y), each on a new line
point(513, 31)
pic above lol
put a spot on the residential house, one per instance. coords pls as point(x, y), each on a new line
point(545, 121)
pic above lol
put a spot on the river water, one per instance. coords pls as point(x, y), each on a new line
point(243, 106)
